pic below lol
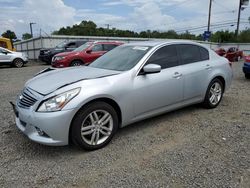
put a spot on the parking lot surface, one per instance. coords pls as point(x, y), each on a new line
point(191, 147)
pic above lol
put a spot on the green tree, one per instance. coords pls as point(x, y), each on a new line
point(9, 34)
point(26, 36)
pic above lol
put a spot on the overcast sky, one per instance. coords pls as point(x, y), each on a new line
point(135, 15)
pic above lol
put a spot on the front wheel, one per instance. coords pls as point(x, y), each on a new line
point(214, 94)
point(94, 126)
point(76, 63)
point(18, 63)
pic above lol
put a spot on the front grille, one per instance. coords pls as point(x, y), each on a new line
point(26, 99)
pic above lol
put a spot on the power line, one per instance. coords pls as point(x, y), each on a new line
point(221, 5)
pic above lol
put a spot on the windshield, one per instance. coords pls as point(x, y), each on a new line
point(121, 58)
point(61, 44)
point(82, 47)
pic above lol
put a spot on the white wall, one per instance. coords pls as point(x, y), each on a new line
point(32, 46)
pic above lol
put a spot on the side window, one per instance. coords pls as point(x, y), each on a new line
point(79, 43)
point(230, 50)
point(3, 51)
point(71, 45)
point(204, 54)
point(97, 48)
point(166, 57)
point(189, 53)
point(108, 47)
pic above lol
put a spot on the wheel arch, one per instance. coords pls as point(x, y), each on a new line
point(222, 79)
point(77, 59)
point(107, 100)
point(16, 59)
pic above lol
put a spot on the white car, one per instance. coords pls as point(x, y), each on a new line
point(135, 81)
point(17, 59)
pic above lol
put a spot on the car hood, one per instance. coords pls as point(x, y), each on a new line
point(50, 79)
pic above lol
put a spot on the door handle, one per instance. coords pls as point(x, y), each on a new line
point(208, 67)
point(177, 75)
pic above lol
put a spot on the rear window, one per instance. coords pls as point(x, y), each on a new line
point(190, 53)
point(204, 54)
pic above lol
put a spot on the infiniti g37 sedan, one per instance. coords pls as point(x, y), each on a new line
point(87, 105)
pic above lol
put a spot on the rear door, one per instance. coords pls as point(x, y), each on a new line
point(195, 68)
point(155, 91)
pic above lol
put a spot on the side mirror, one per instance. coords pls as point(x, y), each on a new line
point(88, 51)
point(151, 69)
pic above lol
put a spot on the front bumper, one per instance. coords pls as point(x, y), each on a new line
point(45, 58)
point(54, 125)
point(59, 64)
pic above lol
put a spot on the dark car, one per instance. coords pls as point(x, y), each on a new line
point(83, 55)
point(246, 67)
point(46, 55)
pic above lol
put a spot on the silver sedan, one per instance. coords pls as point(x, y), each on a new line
point(88, 104)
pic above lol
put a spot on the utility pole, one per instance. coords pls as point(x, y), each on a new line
point(242, 6)
point(209, 15)
point(238, 21)
point(31, 32)
point(108, 25)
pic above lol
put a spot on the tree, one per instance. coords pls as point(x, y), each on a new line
point(89, 28)
point(26, 36)
point(9, 34)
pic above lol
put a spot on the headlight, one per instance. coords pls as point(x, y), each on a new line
point(58, 102)
point(58, 58)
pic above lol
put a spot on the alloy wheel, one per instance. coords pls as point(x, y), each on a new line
point(97, 127)
point(18, 63)
point(215, 93)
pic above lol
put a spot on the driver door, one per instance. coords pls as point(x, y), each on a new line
point(96, 51)
point(155, 92)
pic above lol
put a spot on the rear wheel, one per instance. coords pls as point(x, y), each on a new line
point(94, 126)
point(18, 63)
point(76, 63)
point(214, 94)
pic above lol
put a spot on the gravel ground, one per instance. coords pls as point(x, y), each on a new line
point(191, 147)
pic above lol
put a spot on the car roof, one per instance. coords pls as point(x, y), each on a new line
point(162, 42)
point(105, 42)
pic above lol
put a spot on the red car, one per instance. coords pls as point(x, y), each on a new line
point(83, 55)
point(232, 54)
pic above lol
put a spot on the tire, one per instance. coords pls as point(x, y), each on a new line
point(216, 89)
point(247, 76)
point(18, 63)
point(85, 129)
point(76, 63)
